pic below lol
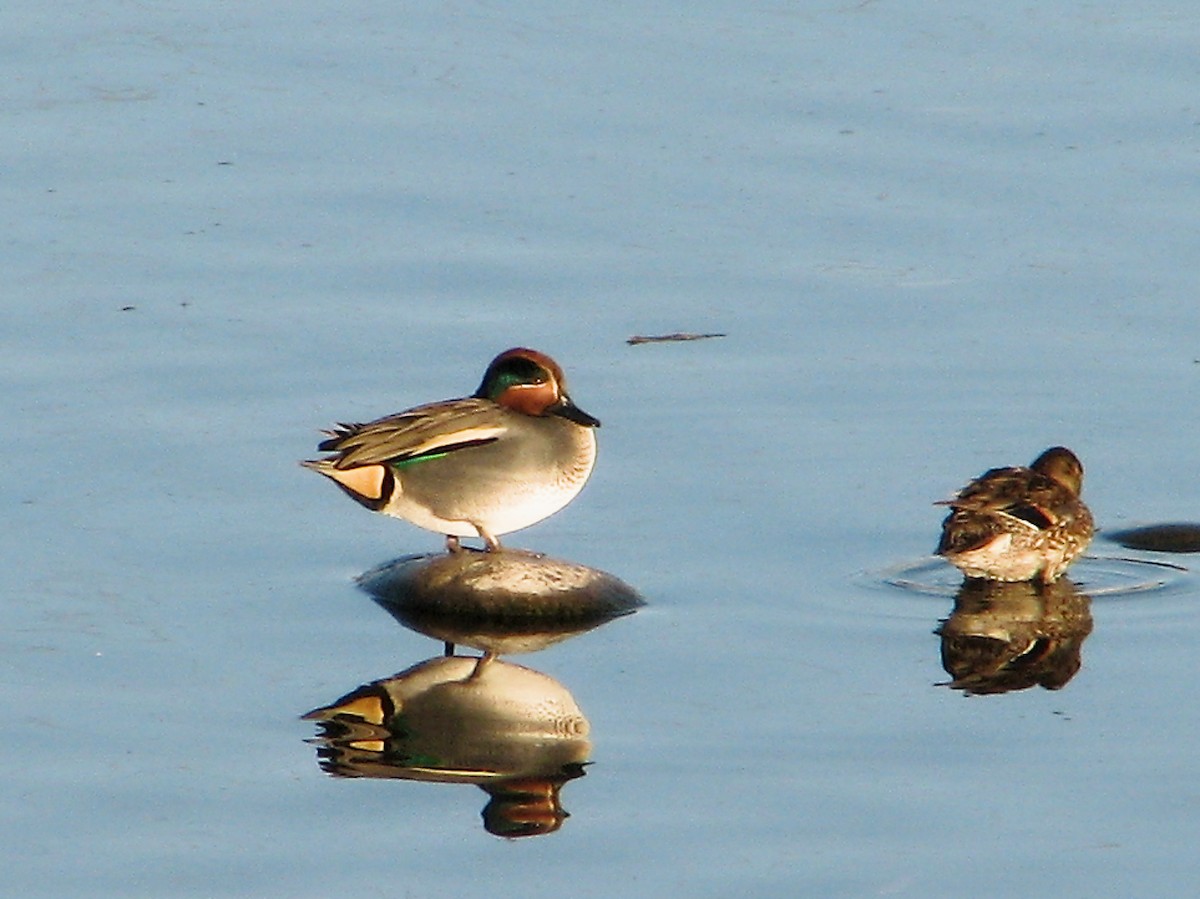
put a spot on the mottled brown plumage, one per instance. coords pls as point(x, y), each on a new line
point(1019, 524)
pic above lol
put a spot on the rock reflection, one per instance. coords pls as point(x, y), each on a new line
point(1003, 637)
point(514, 732)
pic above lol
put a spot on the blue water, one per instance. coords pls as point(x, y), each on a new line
point(939, 238)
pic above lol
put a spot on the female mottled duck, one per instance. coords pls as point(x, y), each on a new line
point(1019, 524)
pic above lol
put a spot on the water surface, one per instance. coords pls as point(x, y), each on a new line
point(938, 237)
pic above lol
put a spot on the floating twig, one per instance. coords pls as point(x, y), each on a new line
point(668, 338)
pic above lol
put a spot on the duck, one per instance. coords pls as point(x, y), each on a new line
point(509, 455)
point(1019, 524)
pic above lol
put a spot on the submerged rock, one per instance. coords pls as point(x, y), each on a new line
point(1176, 537)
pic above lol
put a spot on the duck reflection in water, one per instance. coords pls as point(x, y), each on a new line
point(1003, 637)
point(514, 732)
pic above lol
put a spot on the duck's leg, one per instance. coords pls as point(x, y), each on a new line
point(492, 543)
point(452, 544)
point(447, 648)
point(481, 664)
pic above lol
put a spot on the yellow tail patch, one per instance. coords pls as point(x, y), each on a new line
point(364, 480)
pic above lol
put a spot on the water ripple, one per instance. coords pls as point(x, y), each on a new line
point(1096, 576)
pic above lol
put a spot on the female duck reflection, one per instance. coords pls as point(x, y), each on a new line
point(516, 733)
point(1003, 637)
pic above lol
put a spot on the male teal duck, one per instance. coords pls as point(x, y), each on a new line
point(509, 455)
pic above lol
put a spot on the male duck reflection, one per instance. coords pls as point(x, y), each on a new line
point(514, 732)
point(514, 452)
point(1019, 524)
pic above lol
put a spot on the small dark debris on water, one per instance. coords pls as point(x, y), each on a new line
point(1176, 537)
point(669, 338)
point(128, 308)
